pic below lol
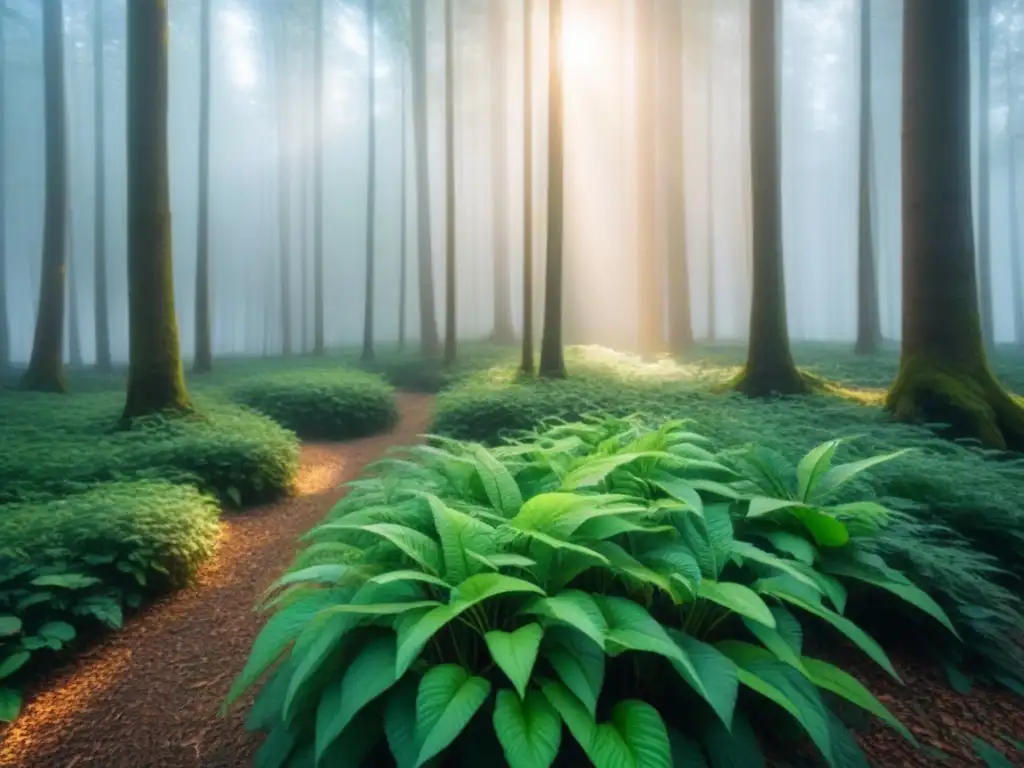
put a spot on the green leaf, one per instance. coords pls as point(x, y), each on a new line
point(57, 630)
point(776, 643)
point(502, 560)
point(838, 476)
point(499, 485)
point(738, 599)
point(423, 578)
point(400, 722)
point(826, 530)
point(758, 555)
point(737, 748)
point(813, 466)
point(716, 679)
point(459, 532)
point(9, 625)
point(516, 653)
point(65, 580)
point(595, 469)
point(11, 664)
point(760, 506)
point(680, 490)
point(370, 674)
point(325, 573)
point(529, 730)
point(632, 628)
point(991, 756)
point(447, 699)
point(792, 544)
point(234, 494)
point(579, 662)
point(10, 705)
point(574, 608)
point(417, 546)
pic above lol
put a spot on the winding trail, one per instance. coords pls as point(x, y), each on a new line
point(148, 696)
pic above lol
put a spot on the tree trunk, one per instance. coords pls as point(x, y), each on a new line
point(649, 283)
point(371, 184)
point(984, 170)
point(304, 184)
point(712, 283)
point(1017, 273)
point(503, 332)
point(284, 188)
point(318, 181)
point(680, 324)
point(526, 363)
point(203, 362)
point(552, 356)
point(73, 320)
point(770, 368)
point(944, 374)
point(46, 367)
point(429, 342)
point(100, 304)
point(156, 381)
point(403, 207)
point(5, 328)
point(450, 293)
point(869, 326)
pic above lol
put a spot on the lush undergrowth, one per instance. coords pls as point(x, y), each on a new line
point(601, 593)
point(963, 533)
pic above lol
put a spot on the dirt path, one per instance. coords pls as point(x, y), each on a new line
point(148, 696)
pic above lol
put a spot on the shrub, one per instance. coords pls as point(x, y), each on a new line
point(621, 581)
point(409, 370)
point(333, 404)
point(72, 563)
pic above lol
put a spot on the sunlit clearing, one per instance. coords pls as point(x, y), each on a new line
point(240, 57)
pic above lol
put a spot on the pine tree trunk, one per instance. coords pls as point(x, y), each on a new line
point(984, 170)
point(5, 328)
point(869, 328)
point(318, 181)
point(649, 281)
point(552, 356)
point(712, 283)
point(203, 362)
point(74, 327)
point(526, 363)
point(503, 332)
point(403, 207)
point(100, 304)
point(284, 189)
point(451, 286)
point(680, 323)
point(156, 381)
point(371, 184)
point(46, 367)
point(944, 374)
point(770, 369)
point(429, 341)
point(1017, 273)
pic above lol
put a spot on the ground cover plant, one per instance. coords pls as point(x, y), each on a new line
point(462, 605)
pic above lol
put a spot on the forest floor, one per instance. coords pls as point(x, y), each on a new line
point(148, 696)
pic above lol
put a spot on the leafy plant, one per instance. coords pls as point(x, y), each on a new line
point(626, 583)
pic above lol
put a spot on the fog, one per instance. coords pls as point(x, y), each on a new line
point(250, 105)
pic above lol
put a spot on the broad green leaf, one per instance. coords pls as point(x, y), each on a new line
point(758, 555)
point(266, 709)
point(716, 679)
point(377, 609)
point(544, 510)
point(446, 701)
point(838, 476)
point(57, 630)
point(775, 642)
point(529, 730)
point(580, 664)
point(276, 748)
point(676, 561)
point(680, 490)
point(812, 466)
point(601, 528)
point(325, 573)
point(738, 599)
point(400, 722)
point(499, 485)
point(735, 748)
point(417, 546)
point(989, 755)
point(621, 560)
point(370, 674)
point(502, 560)
point(65, 581)
point(595, 469)
point(459, 532)
point(515, 653)
point(574, 608)
point(9, 625)
point(826, 530)
point(760, 506)
point(424, 578)
point(566, 546)
point(11, 664)
point(792, 544)
point(356, 742)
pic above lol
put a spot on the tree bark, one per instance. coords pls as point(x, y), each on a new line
point(944, 374)
point(371, 184)
point(526, 363)
point(318, 181)
point(1016, 271)
point(74, 324)
point(284, 188)
point(429, 342)
point(403, 270)
point(451, 295)
point(869, 326)
point(46, 367)
point(649, 302)
point(503, 331)
point(156, 381)
point(712, 283)
point(100, 304)
point(203, 362)
point(552, 356)
point(5, 328)
point(770, 369)
point(984, 170)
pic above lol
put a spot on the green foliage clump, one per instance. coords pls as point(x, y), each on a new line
point(599, 593)
point(409, 370)
point(326, 404)
point(77, 563)
point(54, 446)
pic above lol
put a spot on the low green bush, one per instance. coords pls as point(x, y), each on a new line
point(460, 606)
point(327, 404)
point(409, 370)
point(70, 564)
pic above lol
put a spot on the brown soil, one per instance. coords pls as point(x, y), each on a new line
point(148, 696)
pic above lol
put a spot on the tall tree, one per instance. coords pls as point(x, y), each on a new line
point(985, 169)
point(944, 373)
point(46, 366)
point(526, 364)
point(770, 368)
point(1012, 137)
point(284, 181)
point(503, 332)
point(869, 324)
point(670, 77)
point(429, 341)
point(204, 343)
point(552, 355)
point(649, 286)
point(371, 181)
point(156, 381)
point(712, 286)
point(5, 329)
point(318, 181)
point(101, 310)
point(451, 295)
point(74, 327)
point(403, 269)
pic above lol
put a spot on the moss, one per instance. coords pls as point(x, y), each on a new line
point(784, 380)
point(972, 404)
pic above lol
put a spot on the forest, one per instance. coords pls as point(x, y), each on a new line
point(443, 383)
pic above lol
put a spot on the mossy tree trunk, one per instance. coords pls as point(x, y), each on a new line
point(371, 183)
point(156, 382)
point(503, 332)
point(770, 369)
point(944, 374)
point(869, 327)
point(403, 269)
point(5, 329)
point(429, 342)
point(318, 181)
point(526, 362)
point(552, 355)
point(451, 287)
point(985, 170)
point(670, 47)
point(203, 362)
point(285, 140)
point(46, 367)
point(101, 311)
